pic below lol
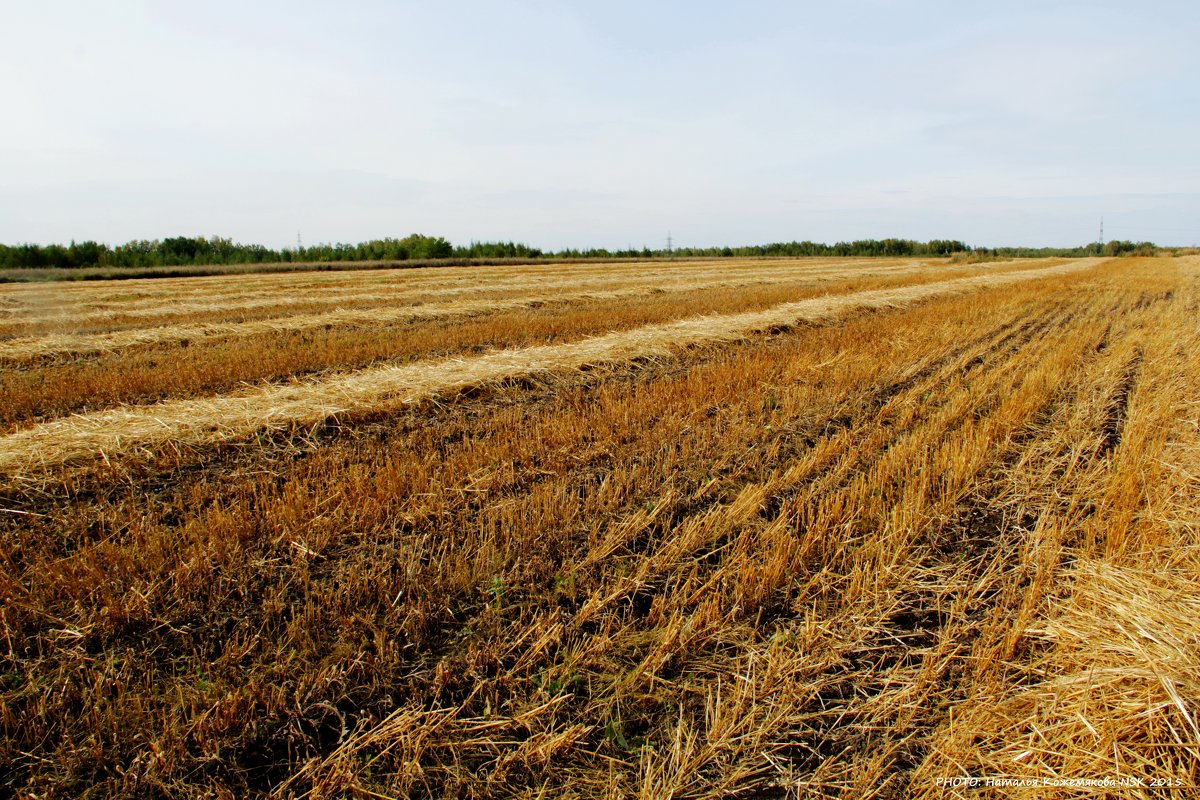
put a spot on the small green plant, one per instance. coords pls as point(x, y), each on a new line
point(614, 732)
point(554, 686)
point(564, 583)
point(496, 591)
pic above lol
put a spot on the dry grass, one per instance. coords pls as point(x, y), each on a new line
point(843, 561)
point(205, 421)
point(1099, 674)
point(52, 311)
point(152, 299)
point(274, 301)
point(57, 386)
point(530, 295)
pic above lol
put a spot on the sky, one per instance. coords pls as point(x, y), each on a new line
point(601, 124)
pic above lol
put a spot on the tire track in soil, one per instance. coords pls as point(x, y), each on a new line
point(1113, 426)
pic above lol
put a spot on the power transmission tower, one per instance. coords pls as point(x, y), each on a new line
point(670, 252)
point(1102, 231)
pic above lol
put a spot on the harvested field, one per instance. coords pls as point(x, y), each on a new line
point(406, 304)
point(54, 375)
point(49, 309)
point(793, 530)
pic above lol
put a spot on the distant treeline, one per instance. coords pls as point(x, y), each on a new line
point(1117, 247)
point(190, 251)
point(863, 247)
point(873, 247)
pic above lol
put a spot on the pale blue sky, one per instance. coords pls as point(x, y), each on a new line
point(600, 124)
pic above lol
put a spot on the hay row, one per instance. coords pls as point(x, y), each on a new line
point(235, 285)
point(156, 305)
point(29, 348)
point(51, 309)
point(169, 287)
point(455, 276)
point(208, 421)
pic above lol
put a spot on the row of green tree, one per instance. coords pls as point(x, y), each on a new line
point(187, 251)
point(1117, 247)
point(861, 247)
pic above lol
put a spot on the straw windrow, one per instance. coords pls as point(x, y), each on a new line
point(154, 304)
point(208, 421)
point(53, 305)
point(414, 305)
point(24, 349)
